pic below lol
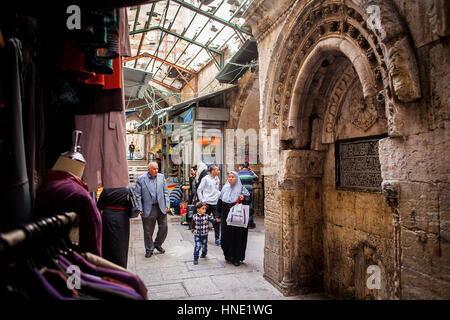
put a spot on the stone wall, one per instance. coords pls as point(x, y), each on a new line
point(404, 70)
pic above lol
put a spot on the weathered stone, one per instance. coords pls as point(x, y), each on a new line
point(316, 232)
point(419, 207)
point(439, 74)
point(301, 163)
point(420, 251)
point(427, 156)
point(392, 159)
point(417, 285)
point(439, 14)
point(444, 212)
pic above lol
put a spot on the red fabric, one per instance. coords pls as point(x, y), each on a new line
point(114, 81)
point(98, 79)
point(73, 60)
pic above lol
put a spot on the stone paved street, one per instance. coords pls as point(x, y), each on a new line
point(172, 275)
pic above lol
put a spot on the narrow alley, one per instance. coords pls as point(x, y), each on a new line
point(172, 275)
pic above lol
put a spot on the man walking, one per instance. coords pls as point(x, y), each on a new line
point(208, 192)
point(153, 197)
point(247, 177)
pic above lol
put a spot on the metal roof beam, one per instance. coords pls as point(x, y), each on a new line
point(162, 34)
point(136, 18)
point(198, 34)
point(147, 24)
point(165, 85)
point(178, 36)
point(178, 39)
point(148, 55)
point(217, 33)
point(212, 16)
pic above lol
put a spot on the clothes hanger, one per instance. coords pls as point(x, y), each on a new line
point(67, 228)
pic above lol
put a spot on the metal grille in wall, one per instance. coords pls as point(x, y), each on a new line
point(358, 164)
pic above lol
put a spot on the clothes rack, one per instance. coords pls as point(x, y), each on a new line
point(60, 224)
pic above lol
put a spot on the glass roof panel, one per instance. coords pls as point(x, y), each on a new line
point(183, 35)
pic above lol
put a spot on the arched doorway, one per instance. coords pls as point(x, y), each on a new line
point(334, 80)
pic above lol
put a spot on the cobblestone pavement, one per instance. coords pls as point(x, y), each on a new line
point(173, 275)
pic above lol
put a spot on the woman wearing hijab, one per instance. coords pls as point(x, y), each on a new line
point(233, 239)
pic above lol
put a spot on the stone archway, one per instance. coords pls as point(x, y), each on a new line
point(379, 71)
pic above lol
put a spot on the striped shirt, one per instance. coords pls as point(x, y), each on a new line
point(247, 178)
point(176, 194)
point(201, 225)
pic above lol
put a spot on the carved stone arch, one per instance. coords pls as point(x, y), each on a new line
point(386, 58)
point(359, 62)
point(396, 43)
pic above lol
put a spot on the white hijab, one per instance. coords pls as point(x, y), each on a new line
point(231, 193)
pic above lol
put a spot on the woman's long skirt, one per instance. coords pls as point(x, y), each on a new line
point(233, 239)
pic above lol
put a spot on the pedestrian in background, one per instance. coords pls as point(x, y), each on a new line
point(202, 171)
point(153, 198)
point(248, 177)
point(192, 184)
point(114, 203)
point(131, 148)
point(176, 197)
point(209, 192)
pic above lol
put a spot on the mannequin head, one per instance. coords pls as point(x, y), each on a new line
point(72, 161)
point(65, 163)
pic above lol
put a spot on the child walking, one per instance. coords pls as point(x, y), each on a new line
point(200, 229)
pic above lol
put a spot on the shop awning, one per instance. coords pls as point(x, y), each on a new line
point(136, 82)
point(239, 63)
point(213, 99)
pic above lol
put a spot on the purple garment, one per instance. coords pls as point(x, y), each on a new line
point(64, 192)
point(48, 287)
point(124, 277)
point(86, 280)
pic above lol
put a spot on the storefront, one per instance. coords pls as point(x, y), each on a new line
point(193, 133)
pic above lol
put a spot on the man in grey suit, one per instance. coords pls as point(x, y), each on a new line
point(153, 197)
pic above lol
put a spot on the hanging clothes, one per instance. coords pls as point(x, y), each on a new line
point(45, 262)
point(124, 32)
point(61, 191)
point(104, 148)
point(15, 189)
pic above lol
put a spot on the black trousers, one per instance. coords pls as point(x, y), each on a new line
point(116, 236)
point(213, 209)
point(148, 223)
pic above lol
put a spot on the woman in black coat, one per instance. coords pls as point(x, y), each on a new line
point(233, 239)
point(116, 207)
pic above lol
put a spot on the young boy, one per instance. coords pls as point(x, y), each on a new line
point(200, 230)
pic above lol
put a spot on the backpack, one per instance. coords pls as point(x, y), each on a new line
point(134, 205)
